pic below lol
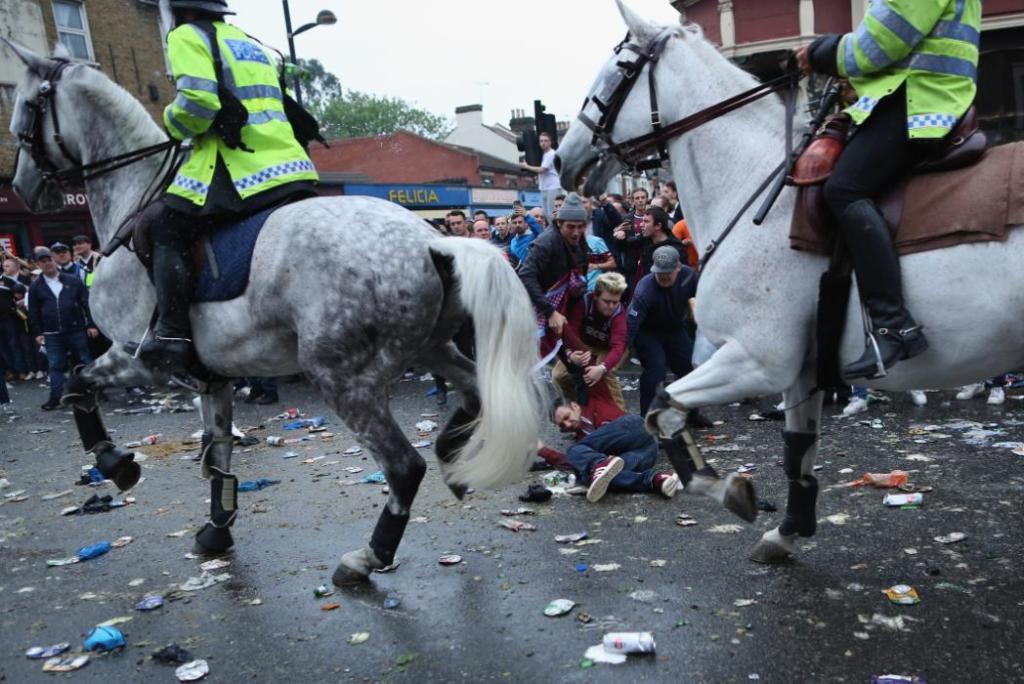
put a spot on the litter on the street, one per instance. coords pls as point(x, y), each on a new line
point(628, 642)
point(882, 480)
point(172, 654)
point(358, 638)
point(392, 602)
point(951, 538)
point(104, 638)
point(150, 603)
point(353, 451)
point(517, 511)
point(902, 595)
point(900, 500)
point(598, 654)
point(450, 559)
point(214, 564)
point(517, 525)
point(203, 581)
point(326, 607)
point(426, 426)
point(66, 664)
point(559, 607)
point(684, 520)
point(192, 671)
point(93, 551)
point(571, 538)
point(256, 485)
point(323, 591)
point(40, 652)
point(374, 478)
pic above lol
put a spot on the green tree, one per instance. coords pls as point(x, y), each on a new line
point(319, 86)
point(357, 114)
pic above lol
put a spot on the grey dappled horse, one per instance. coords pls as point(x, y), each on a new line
point(757, 298)
point(349, 290)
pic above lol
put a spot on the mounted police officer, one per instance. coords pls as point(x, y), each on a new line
point(244, 158)
point(913, 64)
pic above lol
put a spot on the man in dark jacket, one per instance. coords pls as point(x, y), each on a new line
point(657, 232)
point(58, 311)
point(657, 325)
point(11, 327)
point(554, 271)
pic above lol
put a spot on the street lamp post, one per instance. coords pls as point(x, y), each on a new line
point(323, 18)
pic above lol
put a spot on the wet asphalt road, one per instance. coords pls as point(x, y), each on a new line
point(482, 620)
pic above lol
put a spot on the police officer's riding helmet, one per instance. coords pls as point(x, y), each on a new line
point(208, 6)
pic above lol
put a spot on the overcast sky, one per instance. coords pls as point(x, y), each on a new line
point(440, 54)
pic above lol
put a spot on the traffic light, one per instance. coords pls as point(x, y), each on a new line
point(527, 142)
point(545, 122)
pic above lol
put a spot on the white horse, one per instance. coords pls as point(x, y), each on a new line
point(757, 298)
point(350, 290)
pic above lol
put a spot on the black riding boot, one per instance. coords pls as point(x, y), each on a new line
point(892, 333)
point(171, 344)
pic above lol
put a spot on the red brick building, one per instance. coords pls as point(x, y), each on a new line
point(405, 157)
point(758, 34)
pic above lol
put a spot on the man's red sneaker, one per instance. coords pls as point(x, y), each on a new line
point(602, 475)
point(666, 484)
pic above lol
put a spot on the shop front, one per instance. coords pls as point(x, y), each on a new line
point(495, 201)
point(21, 230)
point(427, 201)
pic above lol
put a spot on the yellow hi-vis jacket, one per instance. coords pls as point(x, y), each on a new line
point(251, 74)
point(931, 45)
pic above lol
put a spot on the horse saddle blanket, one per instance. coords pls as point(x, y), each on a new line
point(221, 256)
point(935, 210)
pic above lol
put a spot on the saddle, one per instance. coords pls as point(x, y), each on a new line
point(221, 257)
point(964, 193)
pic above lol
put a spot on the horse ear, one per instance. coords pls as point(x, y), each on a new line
point(60, 51)
point(642, 31)
point(37, 64)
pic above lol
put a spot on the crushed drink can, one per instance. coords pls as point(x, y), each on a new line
point(151, 602)
point(628, 642)
point(192, 671)
point(150, 440)
point(902, 595)
point(450, 559)
point(914, 499)
point(291, 413)
point(274, 440)
point(39, 652)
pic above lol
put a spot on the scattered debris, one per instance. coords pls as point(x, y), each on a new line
point(536, 493)
point(172, 654)
point(900, 500)
point(902, 594)
point(215, 564)
point(330, 606)
point(40, 652)
point(392, 602)
point(518, 511)
point(104, 638)
point(684, 520)
point(838, 518)
point(358, 638)
point(426, 426)
point(66, 664)
point(517, 525)
point(353, 451)
point(559, 607)
point(256, 485)
point(192, 671)
point(374, 478)
point(951, 538)
point(882, 480)
point(323, 591)
point(606, 567)
point(450, 559)
point(204, 581)
point(151, 602)
point(725, 529)
point(743, 603)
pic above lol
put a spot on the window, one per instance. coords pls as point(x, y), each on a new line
point(73, 28)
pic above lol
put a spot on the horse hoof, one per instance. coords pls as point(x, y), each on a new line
point(459, 490)
point(213, 541)
point(127, 475)
point(345, 576)
point(769, 553)
point(740, 497)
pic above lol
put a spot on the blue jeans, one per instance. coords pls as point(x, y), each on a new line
point(58, 347)
point(11, 332)
point(626, 438)
point(658, 353)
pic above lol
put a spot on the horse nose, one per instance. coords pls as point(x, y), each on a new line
point(558, 164)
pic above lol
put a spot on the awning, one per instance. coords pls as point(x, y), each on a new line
point(431, 213)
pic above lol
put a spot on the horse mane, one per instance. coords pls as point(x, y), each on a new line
point(135, 126)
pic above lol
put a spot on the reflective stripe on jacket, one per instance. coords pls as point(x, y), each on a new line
point(251, 74)
point(931, 45)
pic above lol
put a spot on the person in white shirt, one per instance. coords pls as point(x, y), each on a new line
point(547, 180)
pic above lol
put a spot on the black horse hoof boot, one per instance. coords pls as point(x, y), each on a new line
point(212, 541)
point(169, 355)
point(117, 465)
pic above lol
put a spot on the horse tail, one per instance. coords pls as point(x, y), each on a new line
point(503, 442)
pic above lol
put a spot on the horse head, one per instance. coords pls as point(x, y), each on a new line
point(580, 152)
point(43, 149)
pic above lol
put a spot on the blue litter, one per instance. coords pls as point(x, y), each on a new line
point(301, 423)
point(581, 567)
point(95, 475)
point(256, 485)
point(151, 602)
point(89, 552)
point(432, 392)
point(392, 602)
point(290, 454)
point(104, 639)
point(374, 478)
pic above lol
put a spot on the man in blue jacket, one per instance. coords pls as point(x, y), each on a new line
point(657, 325)
point(58, 313)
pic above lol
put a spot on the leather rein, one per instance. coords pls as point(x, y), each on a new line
point(32, 138)
point(650, 150)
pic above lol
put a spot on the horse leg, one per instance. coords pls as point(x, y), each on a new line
point(114, 368)
point(450, 362)
point(668, 426)
point(215, 536)
point(800, 436)
point(403, 468)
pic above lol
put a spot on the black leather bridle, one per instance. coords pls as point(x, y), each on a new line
point(33, 139)
point(650, 150)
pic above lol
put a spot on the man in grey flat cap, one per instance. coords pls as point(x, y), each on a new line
point(657, 325)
